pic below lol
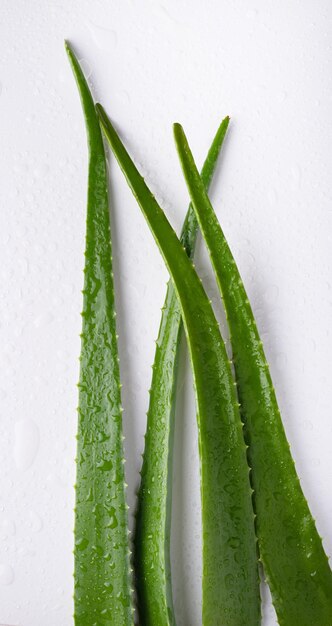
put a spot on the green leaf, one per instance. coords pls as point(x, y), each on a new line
point(102, 581)
point(153, 519)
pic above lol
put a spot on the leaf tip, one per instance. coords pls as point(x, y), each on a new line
point(177, 130)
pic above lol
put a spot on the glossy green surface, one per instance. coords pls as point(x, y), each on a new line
point(230, 580)
point(153, 520)
point(295, 564)
point(102, 593)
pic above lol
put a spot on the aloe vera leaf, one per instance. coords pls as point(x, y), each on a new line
point(230, 577)
point(291, 550)
point(102, 592)
point(153, 519)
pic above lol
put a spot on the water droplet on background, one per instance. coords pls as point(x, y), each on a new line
point(104, 38)
point(281, 361)
point(8, 529)
point(35, 522)
point(26, 443)
point(86, 67)
point(271, 294)
point(6, 574)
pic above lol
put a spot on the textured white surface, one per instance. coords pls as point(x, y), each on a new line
point(267, 64)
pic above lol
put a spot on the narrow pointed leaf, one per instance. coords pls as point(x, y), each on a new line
point(230, 589)
point(291, 550)
point(153, 519)
point(102, 583)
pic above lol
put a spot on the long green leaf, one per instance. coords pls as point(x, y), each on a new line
point(153, 520)
point(291, 550)
point(230, 580)
point(102, 582)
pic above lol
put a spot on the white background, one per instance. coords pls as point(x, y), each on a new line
point(267, 64)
